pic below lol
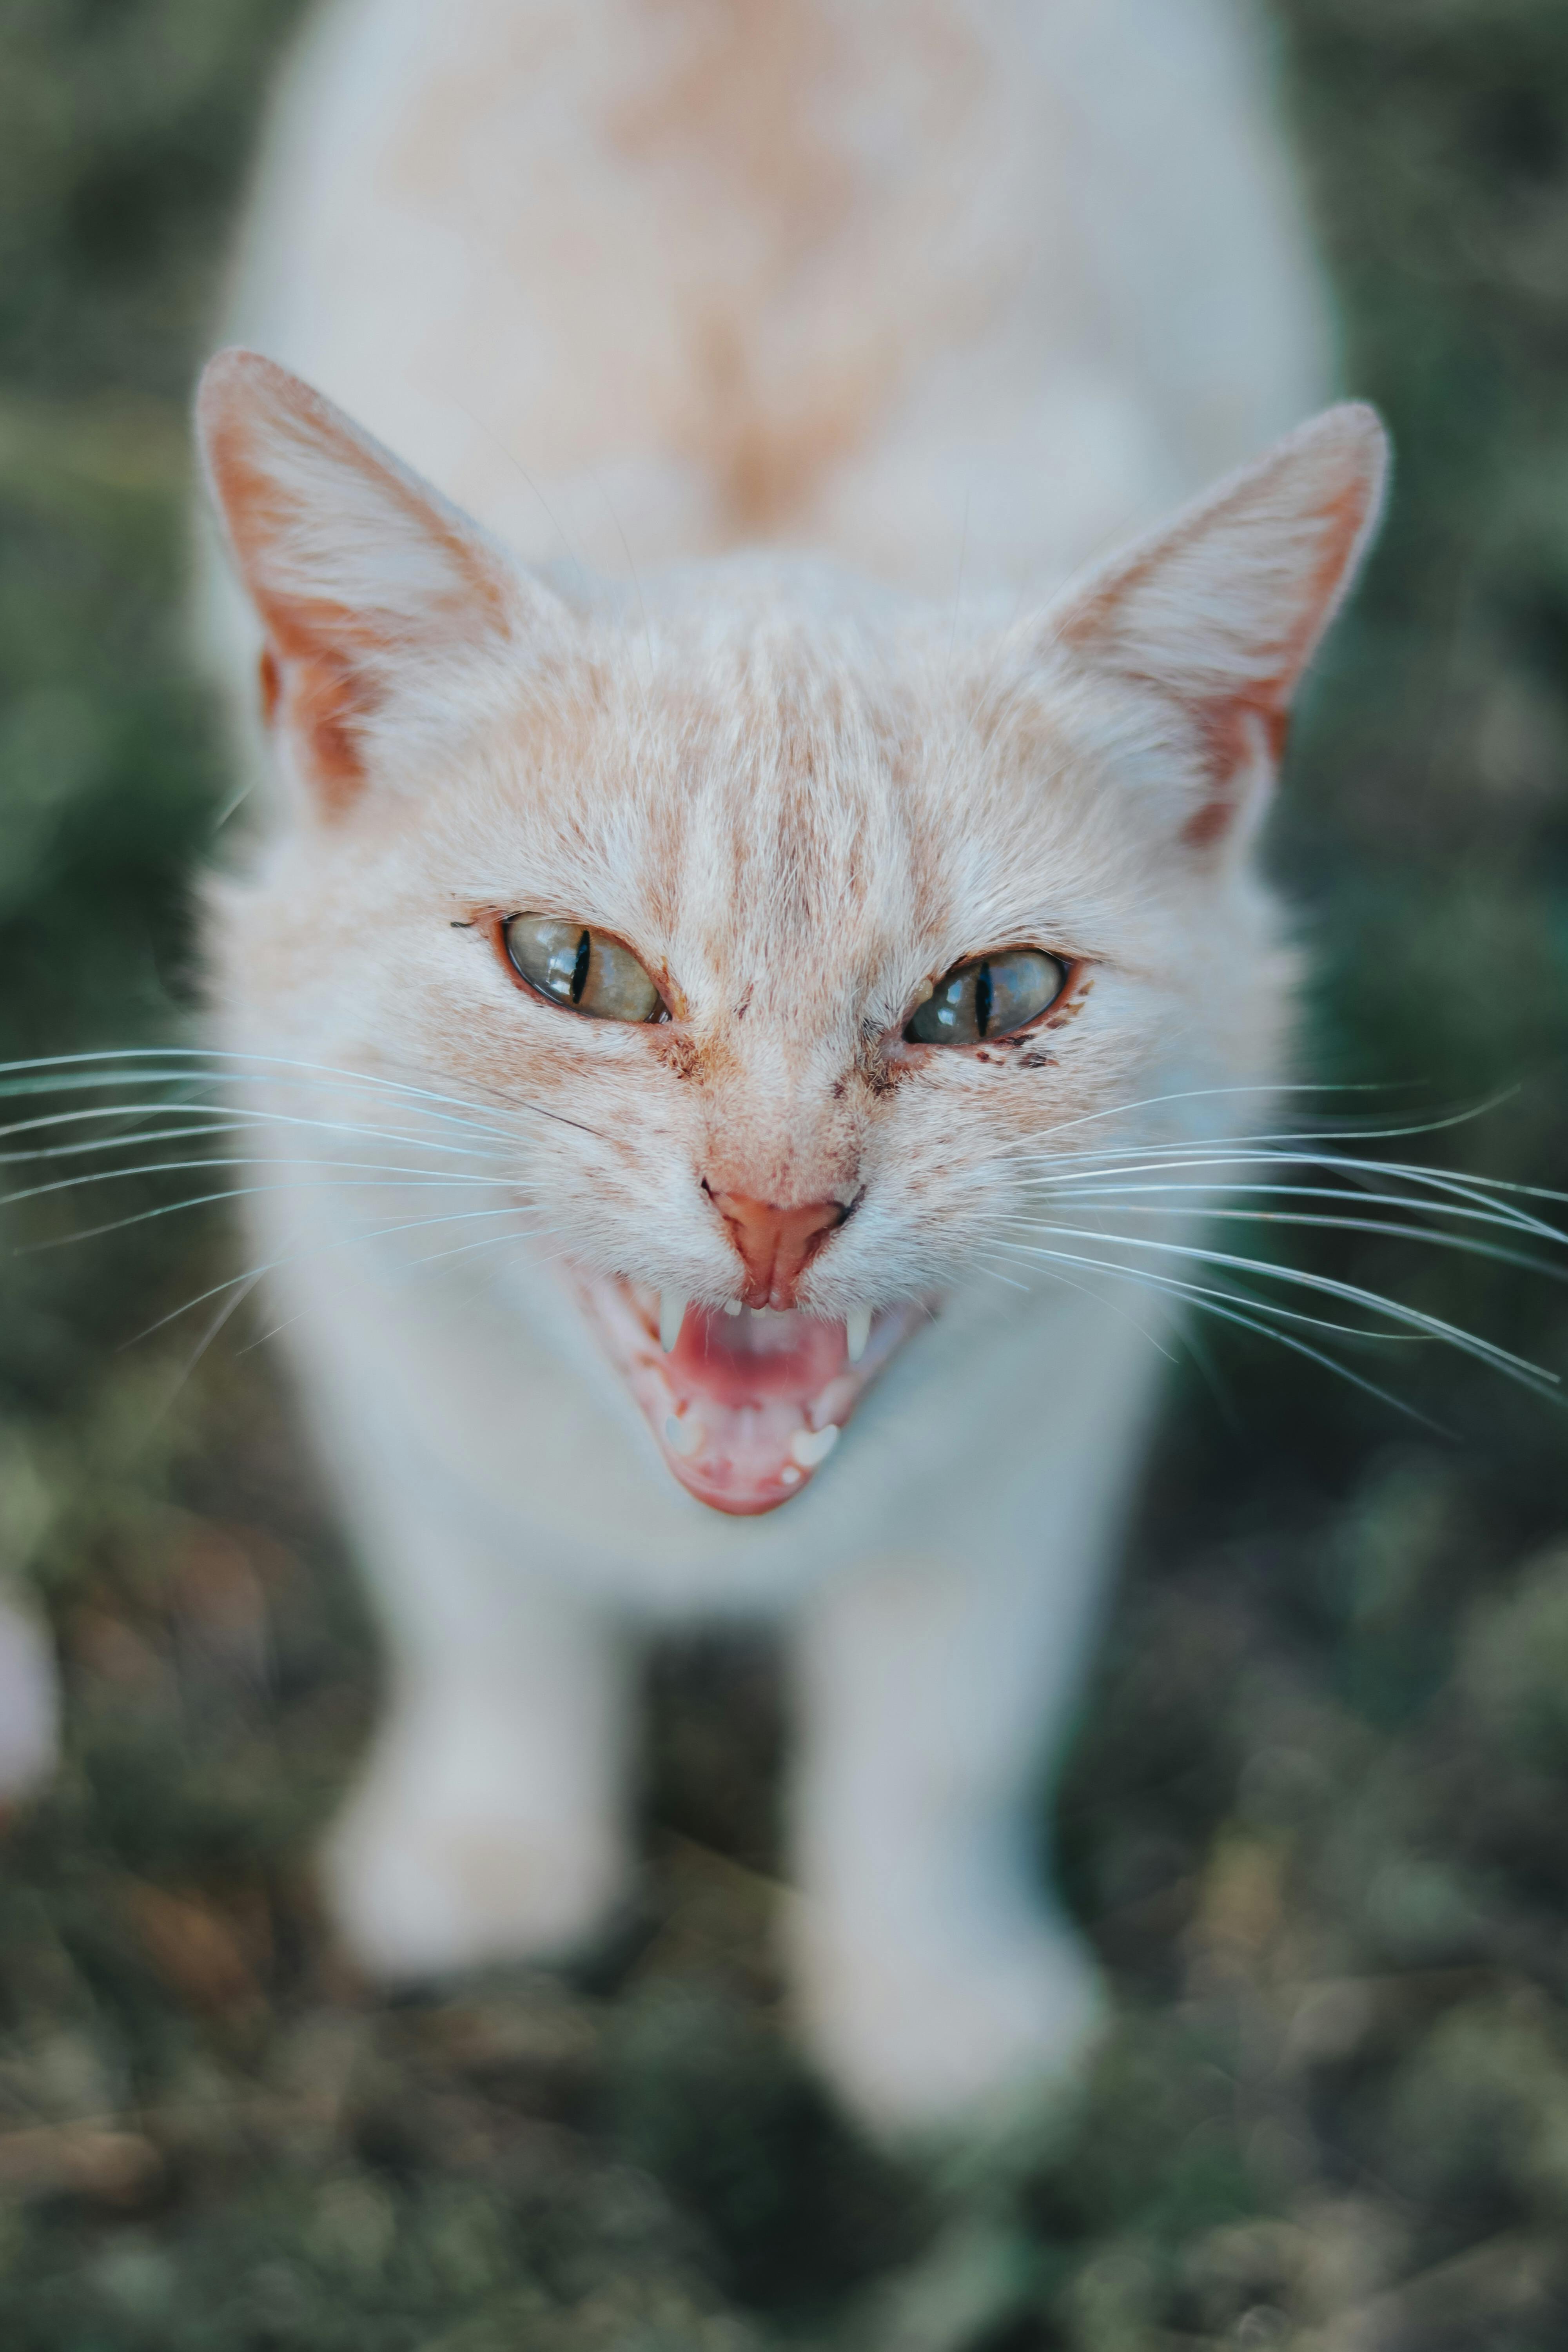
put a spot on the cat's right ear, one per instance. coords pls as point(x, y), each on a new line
point(1220, 613)
point(371, 591)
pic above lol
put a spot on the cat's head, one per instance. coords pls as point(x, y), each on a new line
point(782, 928)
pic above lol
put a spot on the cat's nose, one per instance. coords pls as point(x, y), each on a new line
point(775, 1245)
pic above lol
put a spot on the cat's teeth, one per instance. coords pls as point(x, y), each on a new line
point(672, 1315)
point(858, 1331)
point(733, 1306)
point(810, 1446)
point(686, 1436)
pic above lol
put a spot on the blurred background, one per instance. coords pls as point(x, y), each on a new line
point(1316, 1820)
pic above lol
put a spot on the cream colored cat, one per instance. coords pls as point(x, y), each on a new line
point(722, 918)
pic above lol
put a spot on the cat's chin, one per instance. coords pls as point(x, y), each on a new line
point(744, 1407)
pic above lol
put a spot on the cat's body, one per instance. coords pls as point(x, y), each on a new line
point(950, 296)
point(954, 288)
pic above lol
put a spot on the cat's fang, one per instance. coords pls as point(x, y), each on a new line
point(686, 1437)
point(811, 1446)
point(672, 1315)
point(856, 1332)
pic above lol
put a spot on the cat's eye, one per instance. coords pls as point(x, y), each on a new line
point(581, 969)
point(988, 998)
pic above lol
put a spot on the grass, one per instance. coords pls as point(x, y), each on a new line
point(1314, 1821)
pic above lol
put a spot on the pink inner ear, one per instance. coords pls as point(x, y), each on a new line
point(1236, 729)
point(270, 683)
point(283, 464)
point(307, 684)
point(320, 701)
point(1231, 732)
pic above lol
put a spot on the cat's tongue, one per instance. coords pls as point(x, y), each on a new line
point(744, 1406)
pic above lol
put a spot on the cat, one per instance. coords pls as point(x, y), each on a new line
point(717, 919)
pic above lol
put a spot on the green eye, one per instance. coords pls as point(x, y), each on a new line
point(988, 998)
point(581, 969)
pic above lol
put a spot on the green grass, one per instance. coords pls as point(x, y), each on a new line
point(1317, 1818)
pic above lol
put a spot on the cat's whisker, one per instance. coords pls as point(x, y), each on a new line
point(1222, 1304)
point(412, 1265)
point(255, 1273)
point(1276, 1312)
point(139, 1137)
point(188, 1083)
point(1330, 1286)
point(1414, 1319)
point(107, 1128)
point(368, 1170)
point(1043, 1162)
point(216, 1324)
point(200, 1124)
point(1217, 1201)
point(193, 1074)
point(1085, 1292)
point(1059, 1171)
point(229, 1192)
point(486, 1241)
point(1286, 1144)
point(1437, 1197)
point(1419, 1235)
point(1046, 1147)
point(221, 1062)
point(1011, 1280)
point(1192, 1095)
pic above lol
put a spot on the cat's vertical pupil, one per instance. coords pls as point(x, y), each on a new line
point(992, 997)
point(580, 968)
point(983, 999)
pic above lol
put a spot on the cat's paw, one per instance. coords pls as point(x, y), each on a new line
point(951, 2036)
point(424, 1880)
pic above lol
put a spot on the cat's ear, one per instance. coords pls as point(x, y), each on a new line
point(369, 586)
point(1223, 609)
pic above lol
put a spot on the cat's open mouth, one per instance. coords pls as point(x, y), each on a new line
point(744, 1406)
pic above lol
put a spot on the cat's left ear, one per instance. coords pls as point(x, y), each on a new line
point(1222, 610)
point(376, 596)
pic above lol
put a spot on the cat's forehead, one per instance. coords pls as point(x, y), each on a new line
point(764, 792)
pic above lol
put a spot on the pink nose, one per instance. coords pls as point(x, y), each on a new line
point(776, 1244)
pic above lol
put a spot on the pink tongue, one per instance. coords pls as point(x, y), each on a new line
point(744, 1382)
point(742, 1359)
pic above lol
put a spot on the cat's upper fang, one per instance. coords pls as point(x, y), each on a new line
point(672, 1315)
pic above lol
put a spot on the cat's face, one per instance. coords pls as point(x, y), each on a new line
point(781, 925)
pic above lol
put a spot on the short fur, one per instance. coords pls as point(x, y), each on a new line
point(948, 296)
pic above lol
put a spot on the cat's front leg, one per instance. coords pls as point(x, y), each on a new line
point(936, 1977)
point(489, 1822)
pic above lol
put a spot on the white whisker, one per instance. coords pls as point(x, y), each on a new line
point(1432, 1236)
point(255, 1273)
point(1432, 1325)
point(222, 1061)
point(367, 1169)
point(353, 1183)
point(1223, 1304)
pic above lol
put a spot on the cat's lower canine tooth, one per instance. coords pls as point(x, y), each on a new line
point(686, 1436)
point(810, 1446)
point(672, 1315)
point(858, 1331)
